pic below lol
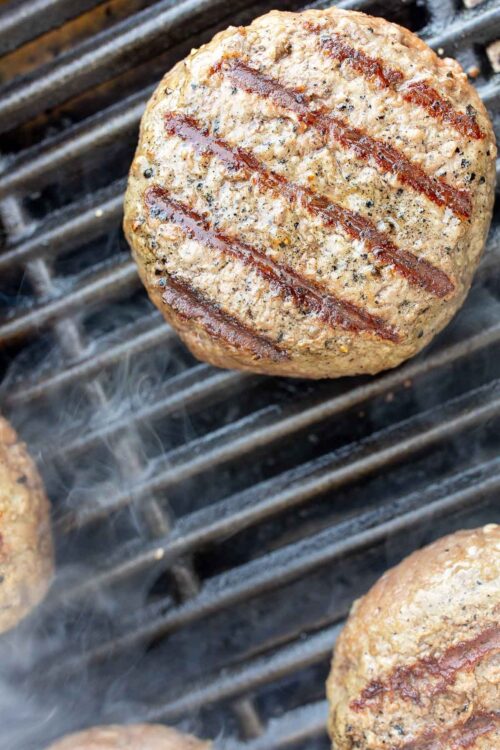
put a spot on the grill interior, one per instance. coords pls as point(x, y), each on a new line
point(212, 528)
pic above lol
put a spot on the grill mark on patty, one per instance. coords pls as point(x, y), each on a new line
point(409, 682)
point(419, 92)
point(387, 158)
point(190, 304)
point(417, 271)
point(305, 293)
point(456, 737)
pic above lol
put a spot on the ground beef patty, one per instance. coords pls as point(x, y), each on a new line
point(25, 538)
point(417, 667)
point(311, 194)
point(133, 737)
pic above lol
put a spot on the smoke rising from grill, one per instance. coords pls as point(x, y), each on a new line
point(34, 705)
point(212, 528)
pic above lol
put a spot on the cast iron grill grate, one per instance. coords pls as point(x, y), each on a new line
point(212, 527)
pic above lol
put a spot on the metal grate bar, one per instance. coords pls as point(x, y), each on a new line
point(14, 221)
point(67, 332)
point(20, 22)
point(203, 382)
point(197, 384)
point(441, 11)
point(82, 222)
point(164, 547)
point(108, 53)
point(239, 512)
point(259, 504)
point(288, 563)
point(302, 724)
point(161, 333)
point(260, 671)
point(246, 712)
point(35, 165)
point(107, 285)
point(317, 647)
point(38, 163)
point(156, 334)
point(126, 453)
point(261, 430)
point(490, 94)
point(360, 5)
point(468, 29)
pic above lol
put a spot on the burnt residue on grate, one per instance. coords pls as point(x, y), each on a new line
point(212, 527)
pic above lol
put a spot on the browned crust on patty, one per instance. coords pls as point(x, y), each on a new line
point(419, 92)
point(435, 267)
point(188, 304)
point(304, 292)
point(199, 340)
point(431, 673)
point(130, 737)
point(462, 735)
point(416, 667)
point(417, 270)
point(386, 157)
point(26, 555)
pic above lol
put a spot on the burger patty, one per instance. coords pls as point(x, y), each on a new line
point(311, 194)
point(26, 558)
point(130, 737)
point(417, 667)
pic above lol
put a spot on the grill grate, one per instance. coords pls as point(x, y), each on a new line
point(212, 527)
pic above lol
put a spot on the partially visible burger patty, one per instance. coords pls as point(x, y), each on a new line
point(130, 737)
point(26, 558)
point(417, 666)
point(311, 194)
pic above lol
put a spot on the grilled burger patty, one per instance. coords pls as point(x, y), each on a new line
point(132, 737)
point(311, 194)
point(417, 667)
point(26, 563)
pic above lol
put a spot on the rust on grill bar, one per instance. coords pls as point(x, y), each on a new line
point(418, 271)
point(387, 158)
point(305, 293)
